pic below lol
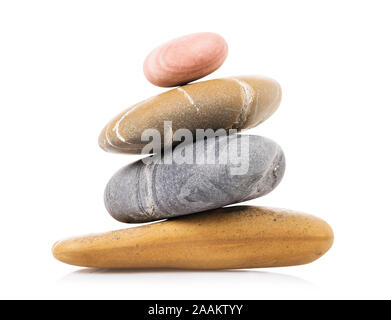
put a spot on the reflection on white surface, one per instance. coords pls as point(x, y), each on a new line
point(94, 274)
point(178, 284)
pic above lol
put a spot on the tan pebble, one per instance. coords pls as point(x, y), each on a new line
point(230, 103)
point(185, 59)
point(227, 238)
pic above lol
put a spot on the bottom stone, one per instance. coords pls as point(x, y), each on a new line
point(227, 238)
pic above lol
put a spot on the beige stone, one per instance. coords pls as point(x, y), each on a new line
point(230, 103)
point(227, 238)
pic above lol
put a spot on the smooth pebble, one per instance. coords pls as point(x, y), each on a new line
point(185, 59)
point(244, 167)
point(231, 103)
point(228, 238)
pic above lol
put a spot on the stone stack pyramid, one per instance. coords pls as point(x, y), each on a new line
point(196, 164)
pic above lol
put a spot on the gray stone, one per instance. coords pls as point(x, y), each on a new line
point(143, 192)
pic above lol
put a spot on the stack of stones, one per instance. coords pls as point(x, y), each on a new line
point(190, 185)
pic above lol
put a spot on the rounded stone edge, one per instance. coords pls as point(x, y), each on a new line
point(157, 81)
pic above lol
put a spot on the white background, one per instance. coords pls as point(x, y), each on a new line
point(68, 67)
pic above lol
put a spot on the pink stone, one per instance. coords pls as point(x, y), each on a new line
point(185, 59)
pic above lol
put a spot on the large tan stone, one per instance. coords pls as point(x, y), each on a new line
point(232, 237)
point(231, 103)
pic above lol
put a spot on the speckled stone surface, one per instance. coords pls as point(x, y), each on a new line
point(226, 238)
point(143, 192)
point(229, 103)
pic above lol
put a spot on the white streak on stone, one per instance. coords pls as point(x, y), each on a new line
point(116, 126)
point(188, 97)
point(248, 98)
point(248, 92)
point(150, 203)
point(108, 139)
